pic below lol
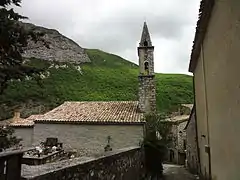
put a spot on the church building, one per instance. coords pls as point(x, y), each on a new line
point(88, 126)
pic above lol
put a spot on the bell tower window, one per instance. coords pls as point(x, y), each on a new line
point(146, 67)
point(145, 43)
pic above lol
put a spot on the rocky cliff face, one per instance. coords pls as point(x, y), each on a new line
point(60, 49)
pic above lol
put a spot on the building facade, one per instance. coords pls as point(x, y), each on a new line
point(88, 127)
point(176, 150)
point(192, 160)
point(215, 65)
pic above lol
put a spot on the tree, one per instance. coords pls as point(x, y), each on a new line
point(7, 139)
point(156, 141)
point(13, 38)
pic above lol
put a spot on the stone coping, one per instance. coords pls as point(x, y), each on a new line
point(14, 152)
point(43, 156)
point(29, 172)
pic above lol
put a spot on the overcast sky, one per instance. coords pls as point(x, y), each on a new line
point(115, 26)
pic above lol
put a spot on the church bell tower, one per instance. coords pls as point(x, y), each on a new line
point(147, 89)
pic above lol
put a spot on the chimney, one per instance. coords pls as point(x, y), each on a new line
point(16, 114)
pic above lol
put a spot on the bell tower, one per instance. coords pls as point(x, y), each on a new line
point(147, 89)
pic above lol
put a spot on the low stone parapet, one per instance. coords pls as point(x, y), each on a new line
point(124, 164)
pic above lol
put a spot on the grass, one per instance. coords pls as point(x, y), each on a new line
point(107, 77)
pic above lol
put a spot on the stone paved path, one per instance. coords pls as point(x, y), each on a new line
point(176, 172)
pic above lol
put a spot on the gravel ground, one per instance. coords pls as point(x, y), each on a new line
point(176, 172)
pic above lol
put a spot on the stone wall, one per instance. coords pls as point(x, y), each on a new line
point(147, 93)
point(60, 49)
point(178, 144)
point(26, 134)
point(90, 140)
point(146, 54)
point(181, 137)
point(192, 153)
point(125, 164)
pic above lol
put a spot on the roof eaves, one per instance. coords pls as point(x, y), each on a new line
point(21, 125)
point(90, 122)
point(205, 11)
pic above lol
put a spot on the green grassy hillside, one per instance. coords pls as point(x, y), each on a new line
point(107, 77)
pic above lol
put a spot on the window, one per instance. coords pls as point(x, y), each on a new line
point(145, 43)
point(146, 67)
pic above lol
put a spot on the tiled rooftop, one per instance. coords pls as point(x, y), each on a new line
point(17, 121)
point(21, 122)
point(180, 118)
point(190, 106)
point(34, 117)
point(95, 112)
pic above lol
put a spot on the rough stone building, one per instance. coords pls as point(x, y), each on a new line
point(147, 89)
point(215, 65)
point(191, 141)
point(176, 153)
point(87, 127)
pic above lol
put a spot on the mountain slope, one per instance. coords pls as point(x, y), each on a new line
point(60, 49)
point(106, 77)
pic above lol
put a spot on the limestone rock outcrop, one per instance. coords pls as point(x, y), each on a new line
point(60, 49)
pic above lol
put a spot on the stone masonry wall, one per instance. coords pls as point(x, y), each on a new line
point(26, 134)
point(177, 145)
point(146, 55)
point(192, 154)
point(89, 140)
point(181, 136)
point(125, 164)
point(147, 93)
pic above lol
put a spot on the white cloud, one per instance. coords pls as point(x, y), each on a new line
point(115, 26)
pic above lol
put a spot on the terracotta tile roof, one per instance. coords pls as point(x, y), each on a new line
point(17, 121)
point(205, 11)
point(190, 106)
point(34, 117)
point(20, 122)
point(190, 116)
point(95, 112)
point(178, 119)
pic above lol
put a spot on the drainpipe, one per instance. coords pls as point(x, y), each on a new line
point(207, 147)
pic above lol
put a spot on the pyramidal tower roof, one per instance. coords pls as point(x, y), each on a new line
point(145, 39)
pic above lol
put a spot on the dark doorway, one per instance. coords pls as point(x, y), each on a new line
point(171, 155)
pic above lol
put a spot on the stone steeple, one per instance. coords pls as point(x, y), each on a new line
point(145, 39)
point(147, 89)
